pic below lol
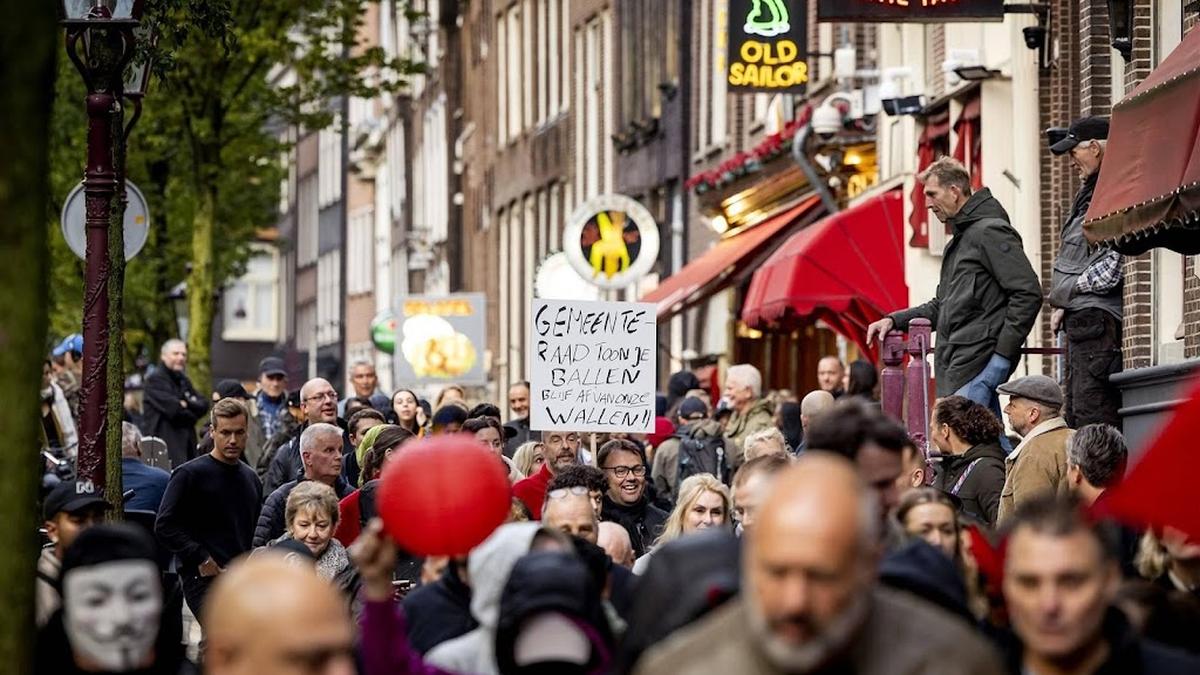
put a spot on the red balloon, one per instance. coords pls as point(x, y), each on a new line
point(442, 496)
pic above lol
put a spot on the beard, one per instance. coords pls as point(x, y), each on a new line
point(825, 645)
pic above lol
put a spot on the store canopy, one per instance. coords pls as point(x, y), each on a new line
point(1148, 193)
point(847, 270)
point(713, 271)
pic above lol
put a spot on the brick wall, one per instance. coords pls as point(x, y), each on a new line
point(1139, 273)
point(1095, 66)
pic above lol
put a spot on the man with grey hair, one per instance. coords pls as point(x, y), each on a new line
point(809, 600)
point(1096, 460)
point(988, 296)
point(148, 483)
point(320, 446)
point(318, 403)
point(751, 412)
point(365, 382)
point(765, 442)
point(172, 405)
point(1086, 290)
point(1039, 464)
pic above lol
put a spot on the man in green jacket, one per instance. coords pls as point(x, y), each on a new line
point(988, 295)
point(751, 412)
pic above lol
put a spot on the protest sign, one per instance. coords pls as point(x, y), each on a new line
point(592, 366)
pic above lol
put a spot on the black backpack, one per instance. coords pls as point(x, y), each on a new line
point(701, 455)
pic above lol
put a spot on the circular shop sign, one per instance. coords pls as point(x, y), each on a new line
point(611, 241)
point(137, 221)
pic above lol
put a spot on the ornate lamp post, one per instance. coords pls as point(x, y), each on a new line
point(101, 37)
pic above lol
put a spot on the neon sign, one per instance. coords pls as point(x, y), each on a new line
point(910, 11)
point(767, 41)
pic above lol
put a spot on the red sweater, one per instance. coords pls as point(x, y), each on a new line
point(348, 527)
point(531, 491)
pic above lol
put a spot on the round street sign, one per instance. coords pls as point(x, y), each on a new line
point(137, 221)
point(611, 241)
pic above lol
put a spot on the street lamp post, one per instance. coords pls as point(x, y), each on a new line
point(101, 40)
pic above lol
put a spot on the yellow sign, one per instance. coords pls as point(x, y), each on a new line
point(767, 49)
point(765, 65)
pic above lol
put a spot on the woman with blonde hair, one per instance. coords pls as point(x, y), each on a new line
point(311, 516)
point(704, 502)
point(529, 457)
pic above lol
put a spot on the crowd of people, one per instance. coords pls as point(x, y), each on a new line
point(751, 533)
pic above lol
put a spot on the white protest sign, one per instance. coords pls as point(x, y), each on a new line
point(592, 366)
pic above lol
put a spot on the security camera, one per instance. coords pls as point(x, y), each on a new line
point(903, 105)
point(827, 120)
point(1035, 36)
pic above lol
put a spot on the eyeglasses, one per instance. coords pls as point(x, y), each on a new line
point(330, 395)
point(623, 471)
point(559, 493)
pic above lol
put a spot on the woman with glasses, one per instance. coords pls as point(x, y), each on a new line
point(487, 431)
point(704, 502)
point(625, 503)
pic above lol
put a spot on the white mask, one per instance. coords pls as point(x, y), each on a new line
point(111, 612)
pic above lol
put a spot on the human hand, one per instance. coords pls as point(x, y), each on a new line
point(1056, 320)
point(209, 568)
point(879, 328)
point(374, 554)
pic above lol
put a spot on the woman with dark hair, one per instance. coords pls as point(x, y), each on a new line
point(862, 380)
point(488, 431)
point(385, 441)
point(407, 412)
point(787, 419)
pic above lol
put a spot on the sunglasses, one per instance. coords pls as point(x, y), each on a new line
point(559, 493)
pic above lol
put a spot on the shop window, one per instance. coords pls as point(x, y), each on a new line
point(251, 304)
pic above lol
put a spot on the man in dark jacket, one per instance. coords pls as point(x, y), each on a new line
point(1072, 627)
point(321, 453)
point(172, 404)
point(625, 503)
point(518, 402)
point(440, 611)
point(972, 463)
point(318, 403)
point(988, 295)
point(1086, 291)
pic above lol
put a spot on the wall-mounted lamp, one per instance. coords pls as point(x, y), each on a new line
point(976, 73)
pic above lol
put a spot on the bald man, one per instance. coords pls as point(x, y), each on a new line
point(319, 403)
point(272, 615)
point(572, 514)
point(615, 541)
point(830, 374)
point(809, 602)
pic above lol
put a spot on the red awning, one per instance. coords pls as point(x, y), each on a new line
point(847, 270)
point(709, 273)
point(1148, 193)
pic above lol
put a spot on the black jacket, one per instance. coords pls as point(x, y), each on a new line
point(286, 463)
point(980, 491)
point(438, 612)
point(53, 654)
point(166, 415)
point(988, 295)
point(271, 523)
point(1128, 653)
point(643, 521)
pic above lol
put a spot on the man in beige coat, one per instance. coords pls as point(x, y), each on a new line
point(751, 412)
point(1039, 464)
point(809, 601)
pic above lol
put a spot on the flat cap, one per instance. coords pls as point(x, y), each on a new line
point(1035, 388)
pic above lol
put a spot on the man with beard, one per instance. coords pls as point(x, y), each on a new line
point(172, 404)
point(562, 450)
point(625, 503)
point(809, 603)
point(319, 403)
point(518, 402)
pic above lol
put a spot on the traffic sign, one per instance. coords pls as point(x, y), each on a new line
point(137, 221)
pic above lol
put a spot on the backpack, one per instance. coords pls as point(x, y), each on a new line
point(701, 455)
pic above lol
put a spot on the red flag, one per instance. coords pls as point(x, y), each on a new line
point(1160, 489)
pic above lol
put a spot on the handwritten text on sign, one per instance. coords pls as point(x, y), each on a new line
point(592, 366)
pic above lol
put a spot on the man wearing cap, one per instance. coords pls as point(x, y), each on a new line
point(692, 423)
point(1086, 290)
point(1039, 464)
point(173, 405)
point(67, 510)
point(67, 359)
point(271, 398)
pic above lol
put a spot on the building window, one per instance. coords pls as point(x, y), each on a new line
point(555, 55)
point(306, 221)
point(1168, 306)
point(512, 76)
point(251, 304)
point(543, 66)
point(306, 332)
point(516, 346)
point(329, 164)
point(329, 298)
point(360, 251)
point(502, 220)
point(704, 66)
point(528, 50)
point(502, 78)
point(720, 42)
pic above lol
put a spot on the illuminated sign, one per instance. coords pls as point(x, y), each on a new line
point(437, 339)
point(910, 11)
point(611, 241)
point(768, 46)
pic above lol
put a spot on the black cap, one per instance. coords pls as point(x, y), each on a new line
point(272, 365)
point(692, 407)
point(66, 497)
point(231, 389)
point(1085, 129)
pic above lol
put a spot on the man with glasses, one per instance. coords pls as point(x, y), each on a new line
point(562, 450)
point(589, 478)
point(624, 464)
point(1086, 289)
point(318, 404)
